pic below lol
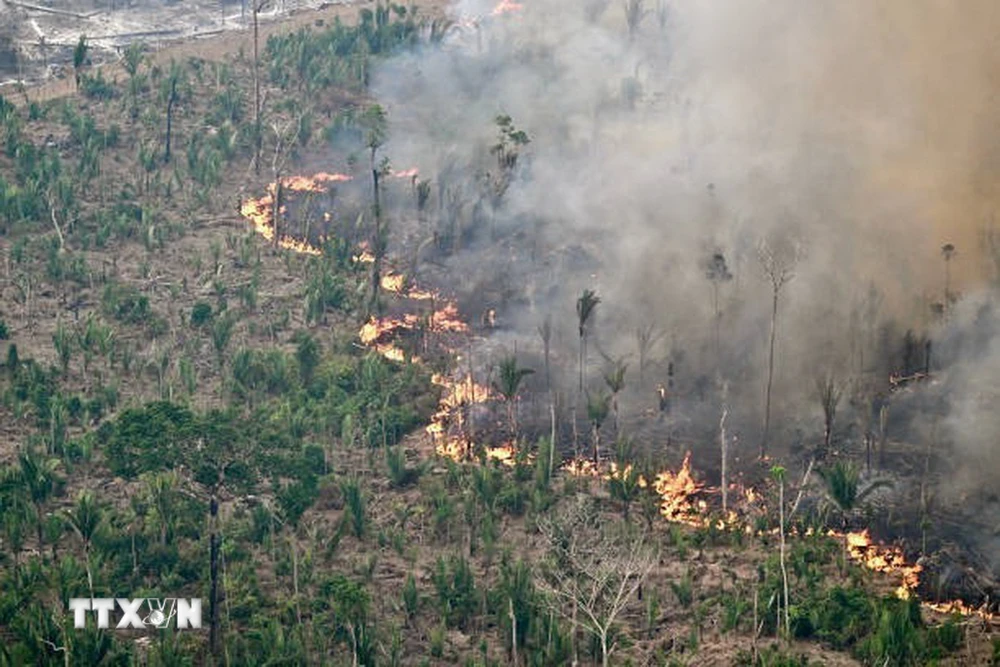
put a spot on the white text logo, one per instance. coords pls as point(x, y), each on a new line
point(141, 613)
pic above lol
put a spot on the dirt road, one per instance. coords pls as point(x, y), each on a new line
point(218, 46)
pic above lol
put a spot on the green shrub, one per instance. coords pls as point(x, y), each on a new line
point(125, 304)
point(458, 598)
point(201, 314)
point(354, 499)
point(400, 475)
point(4, 332)
point(411, 599)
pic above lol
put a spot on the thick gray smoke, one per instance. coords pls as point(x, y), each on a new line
point(854, 137)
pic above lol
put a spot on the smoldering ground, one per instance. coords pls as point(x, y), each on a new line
point(853, 138)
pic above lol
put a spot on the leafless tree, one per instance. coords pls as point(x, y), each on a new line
point(990, 243)
point(285, 136)
point(592, 572)
point(257, 5)
point(948, 253)
point(717, 272)
point(829, 391)
point(723, 445)
point(634, 13)
point(545, 333)
point(778, 268)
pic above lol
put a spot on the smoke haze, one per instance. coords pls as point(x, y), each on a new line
point(854, 137)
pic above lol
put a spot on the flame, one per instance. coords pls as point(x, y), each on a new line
point(507, 6)
point(457, 395)
point(259, 211)
point(406, 173)
point(582, 468)
point(394, 282)
point(505, 454)
point(676, 491)
point(885, 559)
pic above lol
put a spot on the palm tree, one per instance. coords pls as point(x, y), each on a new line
point(843, 487)
point(829, 392)
point(598, 407)
point(615, 379)
point(161, 493)
point(80, 58)
point(170, 95)
point(85, 519)
point(38, 479)
point(507, 386)
point(624, 482)
point(646, 336)
point(585, 306)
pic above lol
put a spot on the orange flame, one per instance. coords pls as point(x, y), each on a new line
point(406, 173)
point(259, 211)
point(676, 491)
point(507, 6)
point(879, 558)
point(505, 454)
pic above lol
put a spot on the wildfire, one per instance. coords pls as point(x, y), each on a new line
point(457, 395)
point(406, 173)
point(879, 558)
point(507, 6)
point(582, 468)
point(259, 211)
point(676, 491)
point(394, 282)
point(505, 454)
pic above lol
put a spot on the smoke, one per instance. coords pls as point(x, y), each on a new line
point(857, 137)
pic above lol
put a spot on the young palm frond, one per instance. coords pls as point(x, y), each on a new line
point(843, 486)
point(508, 384)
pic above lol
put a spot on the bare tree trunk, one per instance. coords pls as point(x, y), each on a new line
point(802, 486)
point(513, 631)
point(883, 436)
point(258, 139)
point(572, 637)
point(472, 403)
point(770, 377)
point(576, 436)
point(725, 457)
point(784, 570)
point(276, 209)
point(552, 434)
point(213, 600)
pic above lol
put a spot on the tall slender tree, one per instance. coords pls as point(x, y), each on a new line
point(777, 268)
point(585, 307)
point(778, 474)
point(170, 94)
point(717, 272)
point(86, 518)
point(507, 385)
point(598, 407)
point(614, 378)
point(948, 253)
